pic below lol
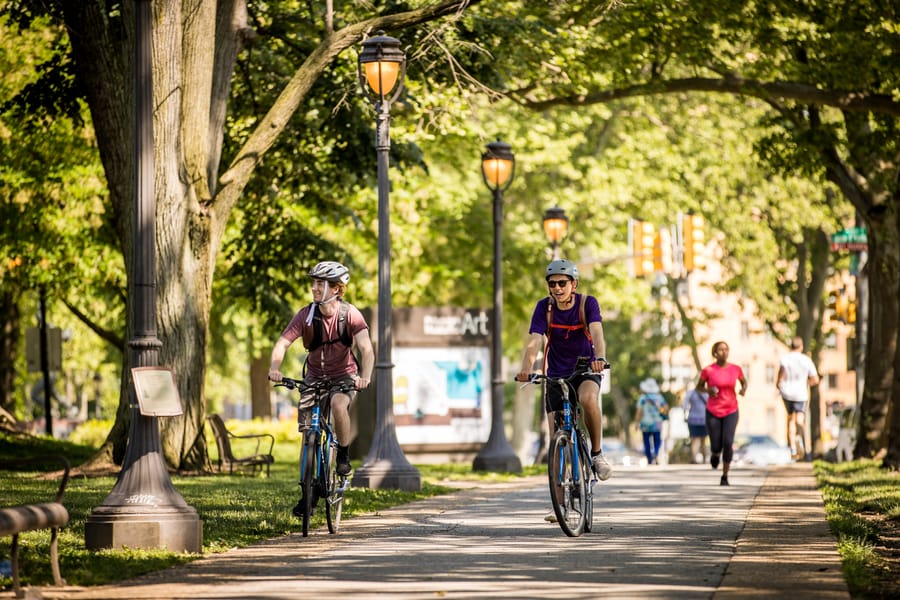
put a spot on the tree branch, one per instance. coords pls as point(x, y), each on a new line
point(765, 90)
point(106, 335)
point(295, 92)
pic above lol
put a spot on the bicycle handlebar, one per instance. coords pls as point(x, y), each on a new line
point(319, 386)
point(536, 377)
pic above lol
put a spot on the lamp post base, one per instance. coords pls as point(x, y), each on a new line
point(385, 473)
point(175, 530)
point(497, 458)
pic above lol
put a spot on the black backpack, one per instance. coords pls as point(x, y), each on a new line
point(344, 335)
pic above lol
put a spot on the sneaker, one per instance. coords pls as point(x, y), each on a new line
point(601, 467)
point(714, 461)
point(343, 464)
point(724, 480)
point(550, 517)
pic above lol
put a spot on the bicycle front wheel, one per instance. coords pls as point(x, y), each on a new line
point(567, 485)
point(334, 494)
point(587, 476)
point(307, 481)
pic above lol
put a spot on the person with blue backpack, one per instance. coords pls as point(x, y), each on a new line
point(652, 410)
point(330, 328)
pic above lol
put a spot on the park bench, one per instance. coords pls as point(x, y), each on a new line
point(257, 460)
point(30, 517)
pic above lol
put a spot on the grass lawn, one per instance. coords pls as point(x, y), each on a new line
point(862, 504)
point(236, 510)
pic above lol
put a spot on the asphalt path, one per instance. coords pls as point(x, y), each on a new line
point(659, 532)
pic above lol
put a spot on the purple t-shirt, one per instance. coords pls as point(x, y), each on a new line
point(566, 345)
point(328, 360)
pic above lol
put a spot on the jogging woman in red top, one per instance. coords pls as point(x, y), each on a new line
point(719, 380)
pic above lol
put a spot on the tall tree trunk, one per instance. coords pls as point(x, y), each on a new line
point(883, 271)
point(194, 57)
point(10, 330)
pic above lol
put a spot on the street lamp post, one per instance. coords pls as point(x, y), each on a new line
point(556, 225)
point(144, 510)
point(497, 169)
point(381, 68)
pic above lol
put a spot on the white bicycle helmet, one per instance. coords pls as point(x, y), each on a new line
point(561, 266)
point(330, 271)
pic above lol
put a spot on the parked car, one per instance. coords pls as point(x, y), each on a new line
point(760, 450)
point(617, 453)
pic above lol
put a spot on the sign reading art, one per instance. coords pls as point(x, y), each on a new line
point(442, 377)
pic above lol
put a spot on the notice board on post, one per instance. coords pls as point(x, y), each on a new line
point(156, 391)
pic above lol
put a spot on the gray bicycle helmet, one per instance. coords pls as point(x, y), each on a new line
point(561, 266)
point(330, 271)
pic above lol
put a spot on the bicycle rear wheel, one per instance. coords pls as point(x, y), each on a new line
point(334, 492)
point(567, 488)
point(307, 481)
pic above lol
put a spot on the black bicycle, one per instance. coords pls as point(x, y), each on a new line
point(318, 456)
point(570, 470)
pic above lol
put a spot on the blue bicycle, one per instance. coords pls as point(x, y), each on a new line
point(569, 467)
point(318, 457)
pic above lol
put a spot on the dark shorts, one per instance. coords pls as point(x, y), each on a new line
point(554, 396)
point(697, 430)
point(308, 397)
point(794, 407)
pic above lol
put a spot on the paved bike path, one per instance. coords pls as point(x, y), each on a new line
point(659, 532)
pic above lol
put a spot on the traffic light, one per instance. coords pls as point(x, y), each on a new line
point(662, 251)
point(839, 305)
point(693, 243)
point(642, 236)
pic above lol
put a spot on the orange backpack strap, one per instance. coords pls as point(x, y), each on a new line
point(568, 328)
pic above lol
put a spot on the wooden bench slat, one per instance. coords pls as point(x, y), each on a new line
point(18, 519)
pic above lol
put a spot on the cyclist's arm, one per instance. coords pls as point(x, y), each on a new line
point(278, 352)
point(531, 349)
point(367, 358)
point(600, 361)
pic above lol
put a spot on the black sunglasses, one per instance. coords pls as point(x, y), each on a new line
point(552, 283)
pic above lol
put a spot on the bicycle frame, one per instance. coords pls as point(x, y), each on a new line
point(318, 478)
point(569, 468)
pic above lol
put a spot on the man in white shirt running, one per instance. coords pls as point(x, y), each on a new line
point(796, 372)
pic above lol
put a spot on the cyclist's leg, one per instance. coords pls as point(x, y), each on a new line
point(340, 411)
point(589, 399)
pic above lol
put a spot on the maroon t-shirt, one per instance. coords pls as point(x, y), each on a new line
point(328, 360)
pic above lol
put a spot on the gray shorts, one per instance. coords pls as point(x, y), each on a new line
point(794, 407)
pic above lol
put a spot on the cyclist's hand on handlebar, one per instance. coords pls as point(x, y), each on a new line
point(362, 383)
point(523, 376)
point(598, 364)
point(275, 375)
